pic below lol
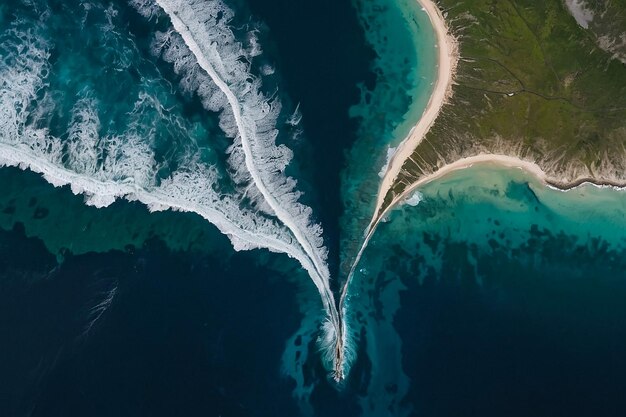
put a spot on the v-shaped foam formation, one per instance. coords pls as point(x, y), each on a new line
point(260, 208)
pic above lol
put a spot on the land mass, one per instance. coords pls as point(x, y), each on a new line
point(532, 88)
point(606, 20)
point(533, 84)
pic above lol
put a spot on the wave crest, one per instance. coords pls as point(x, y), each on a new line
point(249, 197)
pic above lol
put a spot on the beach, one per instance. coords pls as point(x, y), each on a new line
point(446, 63)
point(448, 56)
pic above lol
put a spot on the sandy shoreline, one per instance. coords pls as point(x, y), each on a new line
point(463, 163)
point(447, 58)
point(446, 63)
point(481, 159)
point(500, 161)
point(507, 162)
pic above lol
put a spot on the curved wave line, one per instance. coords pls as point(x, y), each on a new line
point(281, 213)
point(321, 275)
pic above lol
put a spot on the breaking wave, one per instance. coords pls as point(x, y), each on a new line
point(143, 147)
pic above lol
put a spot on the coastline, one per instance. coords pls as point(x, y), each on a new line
point(447, 58)
point(464, 163)
point(446, 64)
point(505, 161)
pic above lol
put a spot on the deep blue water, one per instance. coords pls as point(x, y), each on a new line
point(323, 57)
point(493, 296)
point(497, 296)
point(183, 334)
point(168, 320)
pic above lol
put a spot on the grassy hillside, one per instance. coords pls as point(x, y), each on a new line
point(531, 83)
point(607, 21)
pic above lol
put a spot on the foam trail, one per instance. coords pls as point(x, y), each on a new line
point(263, 159)
point(106, 165)
point(96, 312)
point(106, 168)
point(203, 27)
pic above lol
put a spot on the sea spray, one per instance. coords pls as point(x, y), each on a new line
point(118, 153)
point(251, 118)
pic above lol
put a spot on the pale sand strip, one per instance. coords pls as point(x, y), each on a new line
point(447, 60)
point(507, 162)
point(483, 159)
point(498, 160)
point(448, 57)
point(446, 63)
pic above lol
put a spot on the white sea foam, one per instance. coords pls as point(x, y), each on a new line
point(296, 117)
point(250, 118)
point(390, 153)
point(267, 69)
point(257, 162)
point(185, 191)
point(414, 199)
point(106, 166)
point(203, 25)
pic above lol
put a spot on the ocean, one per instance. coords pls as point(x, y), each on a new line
point(489, 294)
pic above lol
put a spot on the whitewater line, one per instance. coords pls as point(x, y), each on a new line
point(446, 61)
point(505, 161)
point(282, 215)
point(154, 199)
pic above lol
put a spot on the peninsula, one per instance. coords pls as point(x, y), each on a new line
point(520, 83)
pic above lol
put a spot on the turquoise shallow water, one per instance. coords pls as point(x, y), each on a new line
point(493, 296)
point(494, 290)
point(499, 293)
point(63, 222)
point(405, 66)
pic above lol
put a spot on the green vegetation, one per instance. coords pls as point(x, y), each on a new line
point(530, 83)
point(609, 25)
